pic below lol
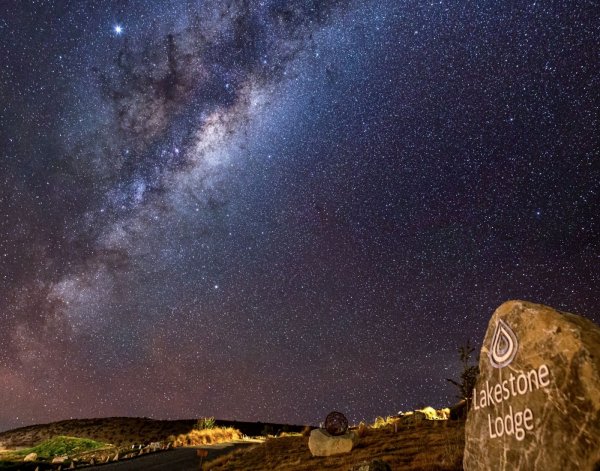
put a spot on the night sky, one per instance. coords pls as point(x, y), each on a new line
point(268, 210)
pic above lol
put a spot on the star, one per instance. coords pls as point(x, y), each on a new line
point(118, 29)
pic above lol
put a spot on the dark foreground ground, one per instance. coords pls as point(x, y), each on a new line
point(424, 445)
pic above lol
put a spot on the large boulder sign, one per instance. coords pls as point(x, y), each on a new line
point(536, 404)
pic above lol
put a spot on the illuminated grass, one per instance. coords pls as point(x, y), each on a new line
point(61, 446)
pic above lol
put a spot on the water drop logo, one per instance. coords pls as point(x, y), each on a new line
point(504, 346)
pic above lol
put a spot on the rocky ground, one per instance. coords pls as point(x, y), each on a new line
point(425, 446)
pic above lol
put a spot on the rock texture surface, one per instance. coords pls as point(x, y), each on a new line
point(31, 457)
point(536, 405)
point(320, 443)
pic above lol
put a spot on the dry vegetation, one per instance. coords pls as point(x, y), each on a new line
point(206, 437)
point(425, 446)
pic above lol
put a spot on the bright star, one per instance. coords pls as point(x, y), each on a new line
point(118, 29)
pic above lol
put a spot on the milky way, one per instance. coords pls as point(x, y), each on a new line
point(266, 210)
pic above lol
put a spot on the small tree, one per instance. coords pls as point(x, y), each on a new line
point(469, 374)
point(206, 423)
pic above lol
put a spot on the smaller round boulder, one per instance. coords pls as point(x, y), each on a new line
point(336, 423)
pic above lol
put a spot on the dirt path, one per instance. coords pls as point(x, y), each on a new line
point(180, 459)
